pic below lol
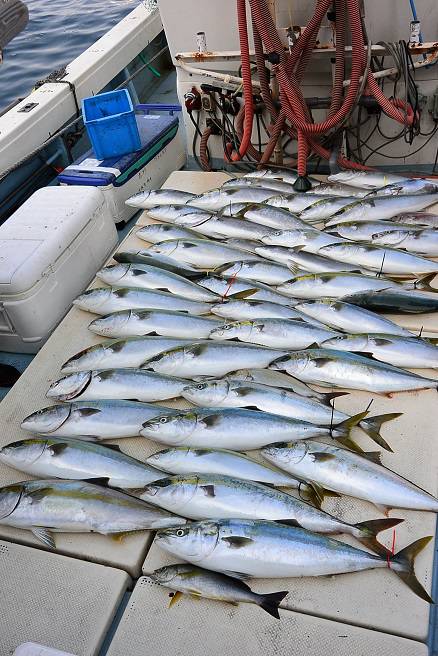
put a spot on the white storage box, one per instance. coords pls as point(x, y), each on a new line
point(50, 250)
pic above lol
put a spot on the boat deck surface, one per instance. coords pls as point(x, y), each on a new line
point(83, 584)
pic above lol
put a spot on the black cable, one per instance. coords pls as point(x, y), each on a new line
point(435, 162)
point(196, 133)
point(406, 155)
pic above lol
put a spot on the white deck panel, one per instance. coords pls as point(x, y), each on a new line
point(195, 627)
point(55, 601)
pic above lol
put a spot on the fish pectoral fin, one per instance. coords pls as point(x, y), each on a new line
point(237, 541)
point(43, 535)
point(208, 490)
point(322, 457)
point(243, 294)
point(174, 598)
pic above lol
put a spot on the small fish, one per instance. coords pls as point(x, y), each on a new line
point(366, 179)
point(419, 219)
point(257, 291)
point(263, 271)
point(287, 175)
point(407, 187)
point(167, 323)
point(210, 496)
point(331, 368)
point(412, 352)
point(265, 183)
point(146, 256)
point(384, 260)
point(146, 199)
point(154, 233)
point(211, 359)
point(266, 549)
point(60, 457)
point(276, 333)
point(64, 506)
point(338, 189)
point(237, 309)
point(295, 257)
point(364, 230)
point(218, 198)
point(104, 300)
point(201, 253)
point(295, 202)
point(168, 213)
point(394, 300)
point(145, 276)
point(310, 240)
point(273, 217)
point(129, 384)
point(380, 208)
point(423, 242)
point(221, 227)
point(277, 379)
point(325, 208)
point(106, 420)
point(198, 582)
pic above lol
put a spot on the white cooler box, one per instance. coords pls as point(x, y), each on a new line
point(50, 250)
point(121, 177)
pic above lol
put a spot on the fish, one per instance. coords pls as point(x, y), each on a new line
point(146, 256)
point(232, 209)
point(394, 300)
point(231, 308)
point(325, 208)
point(384, 260)
point(366, 179)
point(273, 217)
point(220, 227)
point(103, 300)
point(104, 420)
point(349, 318)
point(257, 291)
point(237, 429)
point(295, 202)
point(211, 359)
point(424, 242)
point(201, 253)
point(295, 257)
point(154, 233)
point(185, 460)
point(310, 240)
point(226, 393)
point(265, 183)
point(62, 506)
point(334, 368)
point(117, 353)
point(412, 352)
point(380, 208)
point(287, 175)
point(210, 496)
point(60, 457)
point(364, 230)
point(198, 582)
point(263, 549)
point(218, 198)
point(168, 213)
point(244, 244)
point(268, 273)
point(338, 189)
point(406, 187)
point(276, 333)
point(129, 384)
point(343, 471)
point(150, 198)
point(166, 323)
point(418, 219)
point(145, 276)
point(277, 379)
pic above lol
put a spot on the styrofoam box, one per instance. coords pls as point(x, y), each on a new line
point(50, 250)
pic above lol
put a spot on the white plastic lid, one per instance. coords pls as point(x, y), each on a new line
point(33, 649)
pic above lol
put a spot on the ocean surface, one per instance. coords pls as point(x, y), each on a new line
point(58, 31)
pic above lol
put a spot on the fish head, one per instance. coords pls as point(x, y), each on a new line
point(166, 458)
point(293, 363)
point(234, 330)
point(47, 420)
point(283, 453)
point(22, 452)
point(194, 542)
point(172, 492)
point(93, 299)
point(113, 273)
point(279, 200)
point(206, 393)
point(10, 496)
point(167, 362)
point(164, 247)
point(138, 200)
point(111, 324)
point(165, 574)
point(69, 387)
point(87, 359)
point(348, 342)
point(173, 428)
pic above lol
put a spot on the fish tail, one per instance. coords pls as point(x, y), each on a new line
point(424, 283)
point(372, 426)
point(315, 494)
point(271, 601)
point(366, 533)
point(404, 561)
point(341, 432)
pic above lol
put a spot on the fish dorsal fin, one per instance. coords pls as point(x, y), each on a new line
point(372, 456)
point(43, 535)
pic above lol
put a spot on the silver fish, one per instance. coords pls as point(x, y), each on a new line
point(412, 352)
point(380, 208)
point(364, 230)
point(197, 582)
point(310, 240)
point(265, 183)
point(244, 244)
point(237, 429)
point(325, 208)
point(366, 179)
point(146, 199)
point(154, 233)
point(209, 496)
point(295, 257)
point(410, 187)
point(105, 420)
point(62, 506)
point(202, 253)
point(184, 460)
point(218, 198)
point(338, 189)
point(266, 549)
point(276, 333)
point(249, 309)
point(268, 273)
point(60, 457)
point(168, 213)
point(349, 473)
point(331, 368)
point(167, 323)
point(385, 260)
point(424, 241)
point(211, 359)
point(394, 300)
point(129, 384)
point(116, 353)
point(146, 256)
point(220, 227)
point(273, 217)
point(295, 202)
point(232, 209)
point(287, 175)
point(144, 276)
point(418, 219)
point(104, 300)
point(277, 379)
point(257, 290)
point(335, 285)
point(349, 318)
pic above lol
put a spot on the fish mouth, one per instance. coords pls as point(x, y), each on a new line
point(69, 387)
point(113, 273)
point(92, 299)
point(111, 323)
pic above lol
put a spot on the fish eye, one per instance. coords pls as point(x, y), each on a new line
point(277, 233)
point(227, 326)
point(201, 386)
point(180, 533)
point(163, 420)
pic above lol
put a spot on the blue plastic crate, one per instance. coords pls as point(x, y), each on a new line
point(111, 125)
